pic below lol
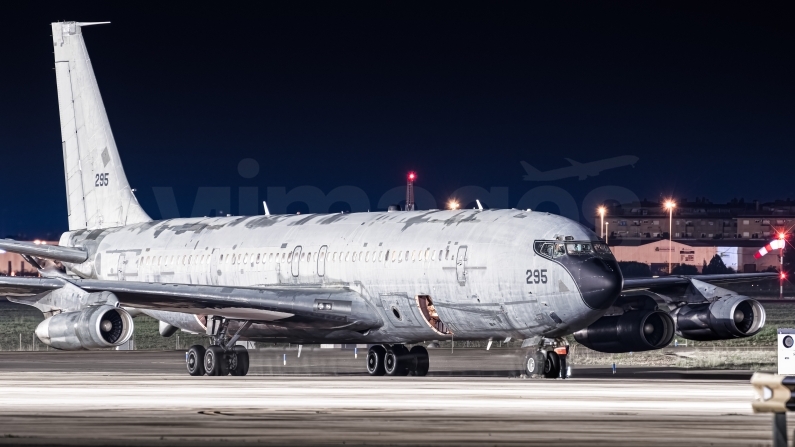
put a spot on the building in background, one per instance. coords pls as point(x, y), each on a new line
point(701, 229)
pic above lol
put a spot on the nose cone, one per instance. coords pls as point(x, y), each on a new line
point(599, 280)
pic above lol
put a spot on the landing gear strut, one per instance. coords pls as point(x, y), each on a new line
point(397, 360)
point(222, 358)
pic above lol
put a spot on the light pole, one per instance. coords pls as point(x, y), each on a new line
point(670, 205)
point(602, 225)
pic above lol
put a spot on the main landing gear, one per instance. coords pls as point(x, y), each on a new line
point(222, 358)
point(397, 360)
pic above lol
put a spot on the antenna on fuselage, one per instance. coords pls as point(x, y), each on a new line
point(480, 207)
point(265, 205)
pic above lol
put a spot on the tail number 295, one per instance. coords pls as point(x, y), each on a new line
point(101, 179)
point(537, 276)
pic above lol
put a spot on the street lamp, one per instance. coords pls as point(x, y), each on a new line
point(670, 205)
point(602, 225)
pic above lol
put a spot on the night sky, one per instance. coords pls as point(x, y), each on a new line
point(338, 93)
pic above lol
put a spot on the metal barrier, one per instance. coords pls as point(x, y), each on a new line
point(775, 394)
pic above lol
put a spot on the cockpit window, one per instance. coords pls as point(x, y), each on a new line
point(579, 248)
point(555, 249)
point(560, 250)
point(602, 249)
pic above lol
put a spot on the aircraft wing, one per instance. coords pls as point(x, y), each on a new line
point(673, 283)
point(338, 307)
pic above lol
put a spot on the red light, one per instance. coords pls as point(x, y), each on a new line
point(783, 276)
point(782, 236)
point(411, 176)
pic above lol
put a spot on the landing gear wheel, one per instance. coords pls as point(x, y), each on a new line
point(194, 359)
point(534, 363)
point(421, 361)
point(552, 365)
point(238, 361)
point(375, 360)
point(397, 361)
point(215, 361)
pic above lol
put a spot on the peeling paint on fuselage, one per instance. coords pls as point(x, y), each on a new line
point(388, 258)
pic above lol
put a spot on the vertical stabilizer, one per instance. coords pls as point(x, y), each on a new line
point(97, 192)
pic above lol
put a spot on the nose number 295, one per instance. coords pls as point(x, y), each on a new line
point(537, 276)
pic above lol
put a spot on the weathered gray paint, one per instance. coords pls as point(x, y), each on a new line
point(478, 286)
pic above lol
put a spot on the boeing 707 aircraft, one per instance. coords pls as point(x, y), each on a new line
point(391, 280)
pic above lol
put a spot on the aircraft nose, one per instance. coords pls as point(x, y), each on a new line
point(600, 280)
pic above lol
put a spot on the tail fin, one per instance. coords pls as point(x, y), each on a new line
point(532, 173)
point(97, 192)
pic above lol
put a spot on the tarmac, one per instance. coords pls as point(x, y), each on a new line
point(323, 398)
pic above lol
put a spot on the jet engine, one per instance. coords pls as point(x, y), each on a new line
point(725, 318)
point(637, 330)
point(95, 327)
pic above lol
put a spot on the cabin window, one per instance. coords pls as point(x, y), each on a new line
point(433, 255)
point(407, 256)
point(158, 260)
point(347, 256)
point(258, 257)
point(221, 259)
point(245, 259)
point(447, 254)
point(367, 257)
point(413, 254)
point(354, 257)
point(290, 257)
point(380, 256)
point(189, 259)
point(440, 254)
point(394, 256)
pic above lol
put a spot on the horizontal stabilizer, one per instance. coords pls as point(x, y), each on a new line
point(54, 252)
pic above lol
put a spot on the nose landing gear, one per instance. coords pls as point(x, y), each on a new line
point(548, 359)
point(397, 360)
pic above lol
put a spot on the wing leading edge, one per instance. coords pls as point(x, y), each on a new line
point(342, 306)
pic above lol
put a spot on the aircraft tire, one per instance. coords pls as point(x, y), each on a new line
point(375, 360)
point(215, 361)
point(240, 366)
point(552, 365)
point(421, 360)
point(194, 359)
point(397, 361)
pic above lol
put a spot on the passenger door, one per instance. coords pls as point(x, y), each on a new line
point(460, 265)
point(321, 261)
point(296, 261)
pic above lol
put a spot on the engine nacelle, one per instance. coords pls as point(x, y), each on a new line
point(95, 327)
point(725, 318)
point(637, 330)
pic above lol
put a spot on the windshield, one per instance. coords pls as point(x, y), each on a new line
point(554, 249)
